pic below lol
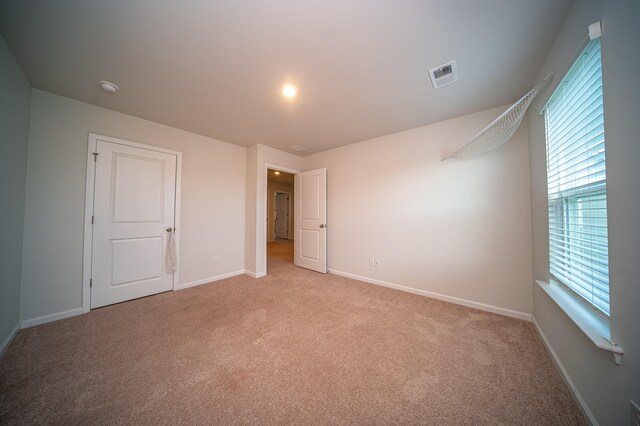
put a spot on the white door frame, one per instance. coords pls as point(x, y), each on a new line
point(289, 210)
point(88, 209)
point(262, 213)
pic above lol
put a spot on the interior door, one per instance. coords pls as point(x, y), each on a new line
point(310, 243)
point(282, 215)
point(134, 211)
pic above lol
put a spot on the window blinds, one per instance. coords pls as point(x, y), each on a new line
point(576, 179)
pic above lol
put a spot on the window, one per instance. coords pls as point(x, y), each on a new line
point(576, 179)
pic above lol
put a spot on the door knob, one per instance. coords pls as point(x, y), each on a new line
point(169, 229)
point(322, 225)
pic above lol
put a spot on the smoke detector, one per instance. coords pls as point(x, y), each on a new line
point(108, 86)
point(444, 74)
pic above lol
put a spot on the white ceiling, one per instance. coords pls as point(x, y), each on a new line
point(216, 67)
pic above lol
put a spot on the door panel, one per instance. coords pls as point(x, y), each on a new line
point(134, 204)
point(310, 246)
point(138, 189)
point(148, 255)
point(310, 205)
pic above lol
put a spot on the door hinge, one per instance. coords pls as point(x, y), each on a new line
point(92, 219)
point(90, 282)
point(95, 157)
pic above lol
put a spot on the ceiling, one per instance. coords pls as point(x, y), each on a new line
point(216, 67)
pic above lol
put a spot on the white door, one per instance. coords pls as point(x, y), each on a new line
point(310, 243)
point(282, 215)
point(134, 211)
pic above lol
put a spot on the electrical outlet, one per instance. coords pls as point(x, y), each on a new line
point(216, 260)
point(371, 261)
point(635, 413)
point(376, 263)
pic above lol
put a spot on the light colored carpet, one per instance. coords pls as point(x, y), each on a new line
point(293, 347)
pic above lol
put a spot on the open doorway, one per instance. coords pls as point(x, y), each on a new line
point(280, 218)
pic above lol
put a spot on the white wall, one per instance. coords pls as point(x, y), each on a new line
point(251, 203)
point(272, 188)
point(15, 97)
point(605, 387)
point(212, 212)
point(459, 228)
point(259, 158)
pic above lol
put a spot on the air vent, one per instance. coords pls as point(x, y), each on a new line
point(299, 148)
point(444, 74)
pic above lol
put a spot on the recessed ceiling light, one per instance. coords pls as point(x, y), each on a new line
point(108, 86)
point(276, 172)
point(289, 90)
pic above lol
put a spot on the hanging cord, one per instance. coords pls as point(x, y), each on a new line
point(171, 260)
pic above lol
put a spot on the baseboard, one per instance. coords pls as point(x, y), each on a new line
point(254, 275)
point(6, 342)
point(443, 297)
point(49, 318)
point(565, 375)
point(209, 280)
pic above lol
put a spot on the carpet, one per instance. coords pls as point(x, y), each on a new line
point(294, 347)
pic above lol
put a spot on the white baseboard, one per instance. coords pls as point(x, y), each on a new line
point(209, 280)
point(6, 342)
point(443, 297)
point(565, 375)
point(254, 275)
point(49, 318)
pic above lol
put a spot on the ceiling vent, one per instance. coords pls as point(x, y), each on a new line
point(444, 74)
point(298, 148)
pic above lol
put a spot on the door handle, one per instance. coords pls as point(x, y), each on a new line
point(169, 229)
point(322, 225)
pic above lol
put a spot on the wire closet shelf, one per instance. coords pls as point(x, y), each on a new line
point(501, 129)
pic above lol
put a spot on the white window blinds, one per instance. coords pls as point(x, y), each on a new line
point(576, 179)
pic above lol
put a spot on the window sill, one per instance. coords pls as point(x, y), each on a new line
point(595, 327)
